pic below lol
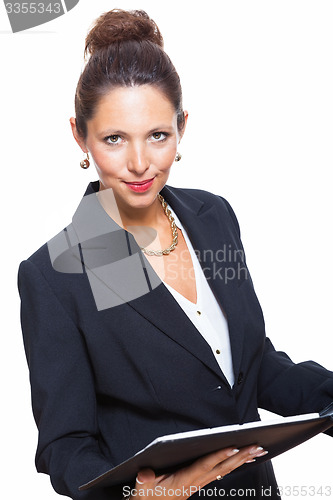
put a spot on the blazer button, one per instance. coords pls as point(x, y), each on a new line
point(240, 378)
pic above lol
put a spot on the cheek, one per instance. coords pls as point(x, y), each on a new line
point(164, 157)
point(106, 162)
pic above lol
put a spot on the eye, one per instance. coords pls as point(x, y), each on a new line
point(159, 136)
point(113, 139)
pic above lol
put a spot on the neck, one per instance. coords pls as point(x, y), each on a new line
point(151, 216)
point(125, 216)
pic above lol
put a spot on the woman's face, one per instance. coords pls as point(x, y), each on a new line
point(133, 139)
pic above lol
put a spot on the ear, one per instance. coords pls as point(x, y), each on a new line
point(77, 137)
point(185, 123)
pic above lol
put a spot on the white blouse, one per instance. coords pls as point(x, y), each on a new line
point(206, 314)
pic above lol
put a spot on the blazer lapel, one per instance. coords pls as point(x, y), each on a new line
point(218, 252)
point(163, 311)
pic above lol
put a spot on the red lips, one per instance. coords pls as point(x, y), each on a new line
point(141, 182)
point(141, 186)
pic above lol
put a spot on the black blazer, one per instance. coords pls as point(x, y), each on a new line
point(109, 377)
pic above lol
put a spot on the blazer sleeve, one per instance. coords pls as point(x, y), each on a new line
point(289, 388)
point(285, 387)
point(62, 385)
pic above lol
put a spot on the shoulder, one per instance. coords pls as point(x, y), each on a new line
point(197, 197)
point(55, 275)
point(44, 258)
point(200, 194)
point(38, 267)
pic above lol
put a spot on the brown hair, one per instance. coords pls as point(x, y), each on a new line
point(126, 50)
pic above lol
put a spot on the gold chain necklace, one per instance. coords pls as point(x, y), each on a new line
point(173, 230)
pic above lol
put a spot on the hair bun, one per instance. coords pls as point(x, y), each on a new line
point(119, 25)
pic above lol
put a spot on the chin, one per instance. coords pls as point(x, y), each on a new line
point(143, 201)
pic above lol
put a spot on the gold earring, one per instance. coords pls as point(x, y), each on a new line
point(85, 163)
point(178, 157)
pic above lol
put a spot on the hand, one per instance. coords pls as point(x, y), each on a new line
point(186, 481)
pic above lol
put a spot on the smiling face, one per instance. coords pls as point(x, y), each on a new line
point(132, 139)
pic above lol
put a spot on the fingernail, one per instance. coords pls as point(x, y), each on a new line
point(250, 461)
point(262, 454)
point(253, 451)
point(138, 480)
point(232, 452)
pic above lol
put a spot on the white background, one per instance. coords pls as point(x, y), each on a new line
point(257, 80)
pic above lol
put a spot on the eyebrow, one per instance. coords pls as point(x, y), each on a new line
point(161, 128)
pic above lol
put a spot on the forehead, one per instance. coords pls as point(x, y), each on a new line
point(127, 108)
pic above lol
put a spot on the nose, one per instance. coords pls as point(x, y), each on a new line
point(138, 161)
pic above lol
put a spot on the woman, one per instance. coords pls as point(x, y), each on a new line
point(140, 318)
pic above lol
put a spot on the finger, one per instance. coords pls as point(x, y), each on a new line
point(145, 476)
point(204, 465)
point(246, 455)
point(205, 475)
point(208, 462)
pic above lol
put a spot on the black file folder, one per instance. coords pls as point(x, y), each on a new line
point(168, 453)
